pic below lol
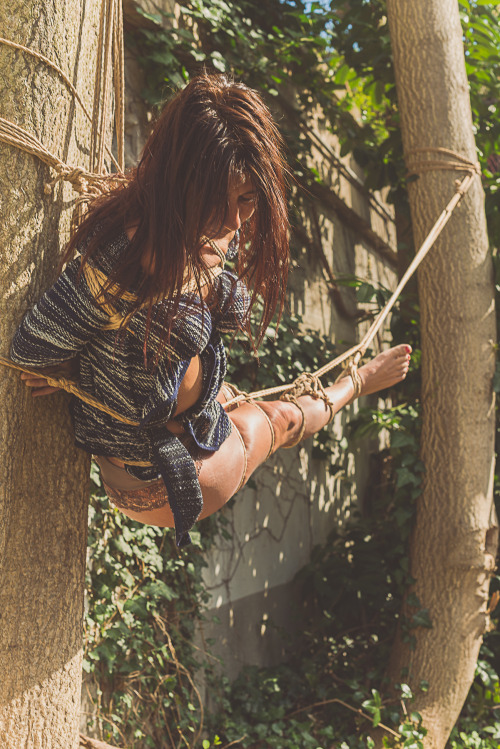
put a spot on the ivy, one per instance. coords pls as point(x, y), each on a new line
point(144, 600)
point(145, 596)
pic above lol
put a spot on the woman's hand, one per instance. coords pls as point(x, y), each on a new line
point(68, 369)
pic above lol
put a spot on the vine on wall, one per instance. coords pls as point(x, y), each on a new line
point(145, 596)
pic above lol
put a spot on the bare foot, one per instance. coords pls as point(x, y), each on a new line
point(290, 422)
point(387, 369)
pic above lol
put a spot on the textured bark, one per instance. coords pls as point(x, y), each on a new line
point(44, 486)
point(455, 538)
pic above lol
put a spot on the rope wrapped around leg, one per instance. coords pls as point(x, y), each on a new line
point(356, 381)
point(351, 370)
point(307, 384)
point(234, 392)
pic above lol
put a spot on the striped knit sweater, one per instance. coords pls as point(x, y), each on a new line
point(67, 321)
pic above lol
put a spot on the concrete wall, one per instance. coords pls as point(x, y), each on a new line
point(293, 502)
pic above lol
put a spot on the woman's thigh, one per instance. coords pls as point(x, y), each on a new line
point(223, 472)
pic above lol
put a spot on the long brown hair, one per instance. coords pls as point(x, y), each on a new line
point(210, 132)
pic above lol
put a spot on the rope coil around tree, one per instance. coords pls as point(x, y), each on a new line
point(64, 77)
point(70, 386)
point(309, 383)
point(89, 184)
point(354, 355)
point(109, 71)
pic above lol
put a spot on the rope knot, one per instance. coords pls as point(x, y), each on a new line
point(351, 370)
point(309, 383)
point(77, 176)
point(61, 382)
point(305, 384)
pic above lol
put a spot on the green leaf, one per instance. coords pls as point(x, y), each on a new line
point(401, 439)
point(154, 17)
point(422, 619)
point(342, 74)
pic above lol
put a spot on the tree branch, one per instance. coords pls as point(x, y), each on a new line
point(88, 743)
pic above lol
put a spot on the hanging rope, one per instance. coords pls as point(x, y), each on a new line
point(109, 24)
point(119, 84)
point(309, 383)
point(109, 71)
point(68, 83)
point(354, 355)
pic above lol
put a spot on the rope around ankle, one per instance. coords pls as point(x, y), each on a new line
point(351, 370)
point(307, 383)
point(354, 355)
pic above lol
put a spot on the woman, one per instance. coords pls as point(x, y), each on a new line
point(211, 181)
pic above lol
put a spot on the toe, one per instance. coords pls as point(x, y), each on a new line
point(403, 351)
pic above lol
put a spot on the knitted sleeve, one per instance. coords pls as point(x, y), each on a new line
point(60, 324)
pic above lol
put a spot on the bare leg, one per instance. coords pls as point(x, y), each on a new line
point(258, 429)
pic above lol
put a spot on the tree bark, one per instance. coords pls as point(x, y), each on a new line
point(44, 488)
point(455, 537)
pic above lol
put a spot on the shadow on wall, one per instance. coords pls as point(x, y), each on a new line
point(295, 500)
point(272, 527)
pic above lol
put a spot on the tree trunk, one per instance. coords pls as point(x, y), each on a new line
point(44, 488)
point(455, 536)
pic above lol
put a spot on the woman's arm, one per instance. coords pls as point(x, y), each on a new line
point(69, 370)
point(60, 324)
point(56, 329)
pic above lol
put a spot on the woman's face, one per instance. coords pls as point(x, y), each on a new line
point(241, 202)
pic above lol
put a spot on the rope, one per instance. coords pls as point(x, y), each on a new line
point(97, 282)
point(64, 77)
point(215, 247)
point(109, 70)
point(355, 354)
point(89, 184)
point(83, 181)
point(119, 84)
point(306, 383)
point(102, 85)
point(458, 163)
point(70, 386)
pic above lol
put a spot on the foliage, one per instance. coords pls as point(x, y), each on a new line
point(339, 60)
point(145, 598)
point(352, 591)
point(287, 350)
